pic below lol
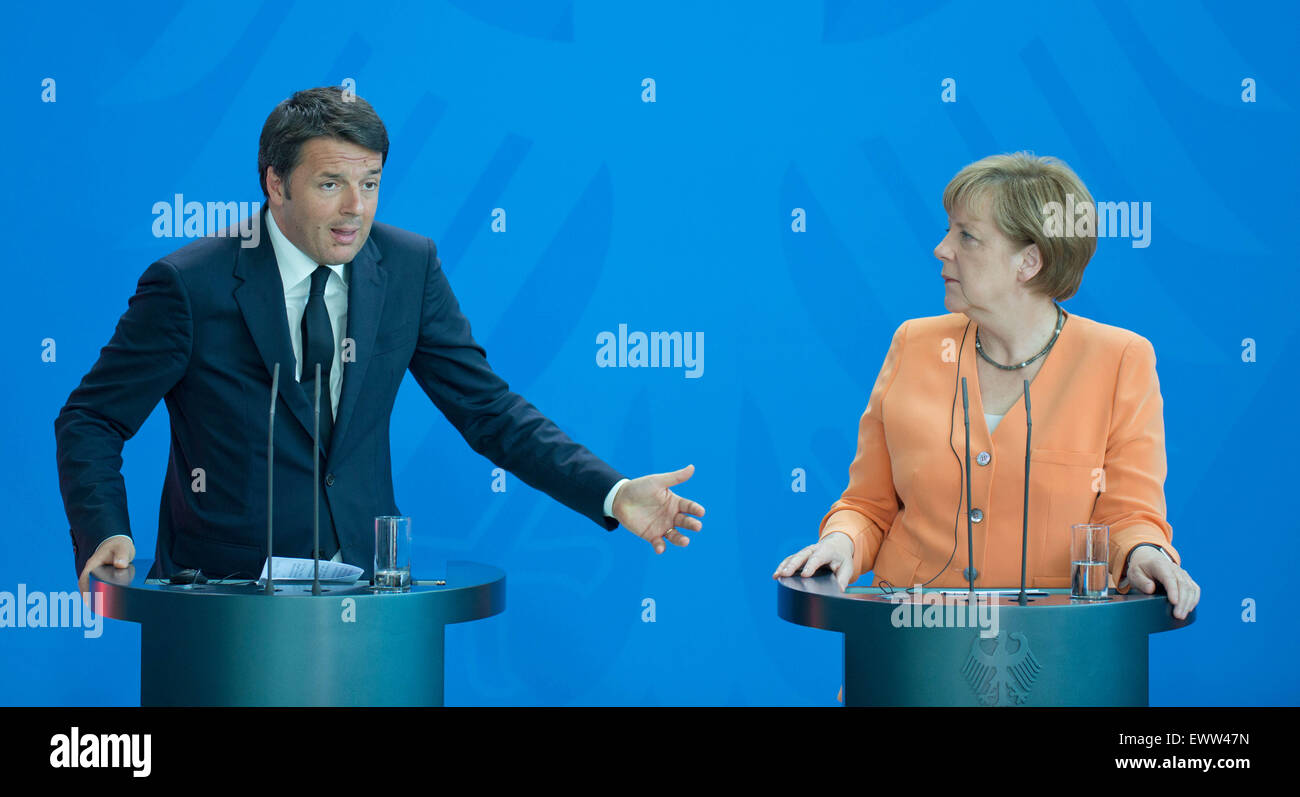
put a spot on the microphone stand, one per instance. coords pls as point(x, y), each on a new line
point(315, 493)
point(270, 474)
point(1024, 531)
point(970, 572)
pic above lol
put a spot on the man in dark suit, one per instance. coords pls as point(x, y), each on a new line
point(326, 285)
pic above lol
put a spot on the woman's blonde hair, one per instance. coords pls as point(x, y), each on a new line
point(1020, 187)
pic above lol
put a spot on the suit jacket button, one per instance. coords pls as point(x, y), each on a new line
point(976, 515)
point(329, 479)
point(983, 458)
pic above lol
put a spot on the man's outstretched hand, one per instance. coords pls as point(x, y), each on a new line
point(653, 512)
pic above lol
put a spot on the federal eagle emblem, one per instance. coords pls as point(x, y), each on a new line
point(1004, 674)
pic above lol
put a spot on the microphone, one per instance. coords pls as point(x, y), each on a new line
point(270, 474)
point(970, 572)
point(1024, 531)
point(315, 493)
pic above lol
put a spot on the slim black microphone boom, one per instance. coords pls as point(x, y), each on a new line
point(315, 493)
point(970, 573)
point(1024, 531)
point(270, 474)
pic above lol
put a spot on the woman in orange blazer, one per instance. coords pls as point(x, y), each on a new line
point(1098, 453)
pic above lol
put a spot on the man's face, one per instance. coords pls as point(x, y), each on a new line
point(334, 190)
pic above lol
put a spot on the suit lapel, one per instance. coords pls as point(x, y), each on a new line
point(366, 283)
point(260, 296)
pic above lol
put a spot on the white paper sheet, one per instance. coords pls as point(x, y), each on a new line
point(288, 568)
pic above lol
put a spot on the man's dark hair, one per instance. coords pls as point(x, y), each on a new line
point(313, 113)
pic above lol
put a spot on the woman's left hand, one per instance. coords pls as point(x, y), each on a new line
point(1148, 565)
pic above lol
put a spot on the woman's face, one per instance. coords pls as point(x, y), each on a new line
point(980, 264)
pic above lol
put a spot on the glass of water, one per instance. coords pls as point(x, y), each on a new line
point(392, 553)
point(1089, 561)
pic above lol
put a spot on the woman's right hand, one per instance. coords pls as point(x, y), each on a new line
point(835, 549)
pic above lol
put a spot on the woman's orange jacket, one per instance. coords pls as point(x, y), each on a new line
point(1098, 457)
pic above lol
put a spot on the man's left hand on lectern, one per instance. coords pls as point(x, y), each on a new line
point(120, 551)
point(653, 512)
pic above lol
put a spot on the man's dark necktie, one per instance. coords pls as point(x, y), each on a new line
point(318, 347)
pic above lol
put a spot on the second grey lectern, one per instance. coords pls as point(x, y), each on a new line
point(232, 645)
point(900, 650)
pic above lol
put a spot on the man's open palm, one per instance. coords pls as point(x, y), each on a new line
point(652, 511)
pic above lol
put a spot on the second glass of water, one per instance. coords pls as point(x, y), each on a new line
point(1089, 561)
point(392, 553)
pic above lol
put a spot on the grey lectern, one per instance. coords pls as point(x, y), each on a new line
point(905, 651)
point(233, 645)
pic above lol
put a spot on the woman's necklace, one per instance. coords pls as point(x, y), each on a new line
point(1060, 322)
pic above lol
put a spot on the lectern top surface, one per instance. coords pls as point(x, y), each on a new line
point(469, 591)
point(459, 575)
point(819, 602)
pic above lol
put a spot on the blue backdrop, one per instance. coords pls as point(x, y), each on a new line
point(676, 215)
